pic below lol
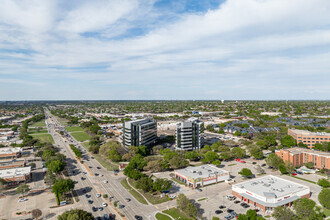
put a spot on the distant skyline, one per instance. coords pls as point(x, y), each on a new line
point(165, 50)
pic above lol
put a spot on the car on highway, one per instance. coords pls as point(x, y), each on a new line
point(22, 200)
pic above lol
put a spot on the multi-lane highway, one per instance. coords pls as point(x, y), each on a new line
point(105, 182)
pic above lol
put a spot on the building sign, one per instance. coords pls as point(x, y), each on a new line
point(286, 197)
point(248, 193)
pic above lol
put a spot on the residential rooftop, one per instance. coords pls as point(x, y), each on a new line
point(309, 133)
point(10, 150)
point(203, 171)
point(15, 172)
point(271, 186)
point(299, 150)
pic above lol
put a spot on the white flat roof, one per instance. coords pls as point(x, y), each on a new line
point(10, 150)
point(15, 172)
point(269, 186)
point(203, 171)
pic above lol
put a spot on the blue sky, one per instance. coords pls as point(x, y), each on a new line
point(165, 49)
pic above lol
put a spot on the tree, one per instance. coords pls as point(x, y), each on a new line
point(256, 152)
point(22, 189)
point(76, 214)
point(191, 210)
point(210, 156)
point(273, 160)
point(282, 168)
point(318, 146)
point(324, 183)
point(50, 178)
point(216, 163)
point(242, 217)
point(226, 156)
point(288, 141)
point(192, 155)
point(156, 149)
point(56, 166)
point(162, 184)
point(145, 183)
point(245, 172)
point(94, 149)
point(215, 218)
point(62, 186)
point(283, 213)
point(251, 214)
point(289, 166)
point(238, 152)
point(178, 162)
point(304, 207)
point(36, 213)
point(114, 156)
point(182, 202)
point(156, 166)
point(324, 196)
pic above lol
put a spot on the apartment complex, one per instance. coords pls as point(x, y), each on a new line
point(269, 192)
point(309, 138)
point(10, 153)
point(139, 132)
point(200, 176)
point(16, 176)
point(299, 156)
point(8, 164)
point(188, 135)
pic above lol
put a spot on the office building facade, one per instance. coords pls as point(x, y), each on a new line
point(188, 135)
point(139, 132)
point(299, 156)
point(309, 138)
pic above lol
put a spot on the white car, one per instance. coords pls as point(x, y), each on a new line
point(101, 175)
point(22, 200)
point(229, 180)
point(98, 195)
point(105, 181)
point(172, 196)
point(104, 204)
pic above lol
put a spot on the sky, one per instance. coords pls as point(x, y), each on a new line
point(164, 49)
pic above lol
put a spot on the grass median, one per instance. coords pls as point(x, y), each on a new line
point(133, 192)
point(176, 214)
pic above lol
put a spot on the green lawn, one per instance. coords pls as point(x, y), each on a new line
point(80, 136)
point(44, 137)
point(326, 212)
point(35, 131)
point(160, 216)
point(63, 121)
point(38, 124)
point(105, 163)
point(153, 199)
point(302, 179)
point(133, 192)
point(176, 214)
point(85, 145)
point(74, 128)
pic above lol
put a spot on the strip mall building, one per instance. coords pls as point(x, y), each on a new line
point(269, 192)
point(200, 176)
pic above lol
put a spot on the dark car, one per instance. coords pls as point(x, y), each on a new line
point(218, 211)
point(112, 216)
point(229, 210)
point(128, 199)
point(98, 168)
point(84, 190)
point(94, 209)
point(237, 201)
point(222, 207)
point(90, 167)
point(257, 210)
point(243, 204)
point(254, 162)
point(121, 206)
point(96, 174)
point(138, 217)
point(82, 178)
point(263, 164)
point(90, 201)
point(106, 217)
point(100, 208)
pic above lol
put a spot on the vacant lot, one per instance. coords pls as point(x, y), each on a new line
point(74, 128)
point(176, 214)
point(80, 135)
point(38, 124)
point(44, 137)
point(63, 121)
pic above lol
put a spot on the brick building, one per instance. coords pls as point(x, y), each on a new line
point(269, 192)
point(200, 176)
point(8, 164)
point(10, 153)
point(309, 138)
point(16, 176)
point(299, 156)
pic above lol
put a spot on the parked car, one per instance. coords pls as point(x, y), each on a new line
point(263, 165)
point(90, 201)
point(106, 216)
point(301, 173)
point(128, 199)
point(294, 174)
point(104, 204)
point(254, 162)
point(137, 217)
point(105, 181)
point(229, 180)
point(121, 206)
point(237, 201)
point(218, 212)
point(222, 207)
point(100, 208)
point(82, 178)
point(229, 210)
point(22, 200)
point(200, 190)
point(98, 168)
point(98, 195)
point(94, 209)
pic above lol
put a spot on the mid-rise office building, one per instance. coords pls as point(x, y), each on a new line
point(309, 138)
point(299, 156)
point(139, 132)
point(188, 135)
